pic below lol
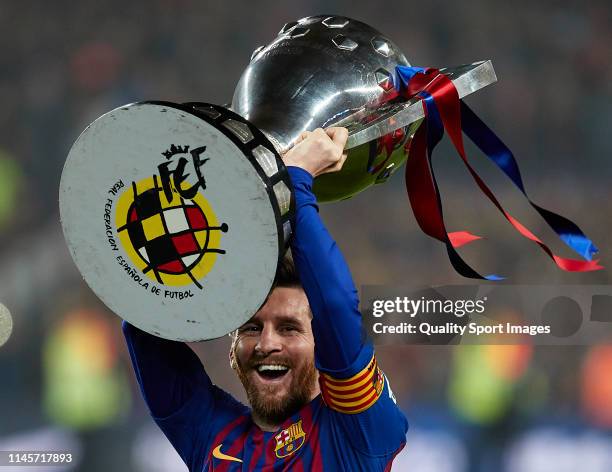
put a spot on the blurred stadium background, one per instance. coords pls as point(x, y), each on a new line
point(65, 378)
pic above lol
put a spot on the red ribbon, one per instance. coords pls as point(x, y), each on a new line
point(421, 185)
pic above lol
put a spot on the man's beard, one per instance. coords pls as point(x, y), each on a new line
point(271, 408)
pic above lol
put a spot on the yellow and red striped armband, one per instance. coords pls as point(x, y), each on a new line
point(355, 394)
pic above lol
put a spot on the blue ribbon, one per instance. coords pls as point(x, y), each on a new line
point(435, 133)
point(488, 142)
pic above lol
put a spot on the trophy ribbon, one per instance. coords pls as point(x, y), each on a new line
point(445, 111)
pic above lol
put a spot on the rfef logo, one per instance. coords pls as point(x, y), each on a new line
point(166, 226)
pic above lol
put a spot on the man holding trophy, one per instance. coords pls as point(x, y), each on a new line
point(178, 216)
point(339, 415)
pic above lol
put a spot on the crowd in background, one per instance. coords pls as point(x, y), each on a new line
point(66, 380)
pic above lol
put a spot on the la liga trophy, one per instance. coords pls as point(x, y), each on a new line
point(177, 214)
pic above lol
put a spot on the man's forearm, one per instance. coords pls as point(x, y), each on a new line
point(168, 372)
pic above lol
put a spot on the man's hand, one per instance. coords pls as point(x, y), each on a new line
point(319, 151)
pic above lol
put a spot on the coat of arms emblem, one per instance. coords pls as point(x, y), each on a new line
point(289, 440)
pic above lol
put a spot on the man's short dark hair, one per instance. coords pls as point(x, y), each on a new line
point(286, 274)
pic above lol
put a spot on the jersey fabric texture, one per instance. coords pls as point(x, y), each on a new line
point(354, 425)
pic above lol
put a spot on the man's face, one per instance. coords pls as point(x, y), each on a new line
point(273, 355)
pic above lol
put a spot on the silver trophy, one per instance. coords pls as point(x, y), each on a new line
point(325, 71)
point(177, 214)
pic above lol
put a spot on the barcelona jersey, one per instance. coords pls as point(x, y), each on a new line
point(353, 425)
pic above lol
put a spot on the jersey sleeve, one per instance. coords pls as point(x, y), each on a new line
point(182, 400)
point(327, 281)
point(352, 384)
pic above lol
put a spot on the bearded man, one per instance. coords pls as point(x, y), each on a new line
point(319, 401)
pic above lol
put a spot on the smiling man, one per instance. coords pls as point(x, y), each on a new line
point(273, 354)
point(319, 401)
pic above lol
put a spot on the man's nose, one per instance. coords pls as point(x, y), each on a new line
point(269, 341)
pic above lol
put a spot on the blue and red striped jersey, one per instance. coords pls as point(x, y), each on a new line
point(353, 425)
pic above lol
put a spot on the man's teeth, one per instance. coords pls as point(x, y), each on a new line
point(262, 368)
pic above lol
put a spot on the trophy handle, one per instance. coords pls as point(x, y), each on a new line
point(368, 163)
point(366, 125)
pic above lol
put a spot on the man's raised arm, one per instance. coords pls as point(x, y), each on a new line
point(184, 403)
point(324, 274)
point(168, 372)
point(351, 382)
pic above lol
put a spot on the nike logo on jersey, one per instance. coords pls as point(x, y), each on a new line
point(219, 455)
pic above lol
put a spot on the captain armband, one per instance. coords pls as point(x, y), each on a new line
point(355, 394)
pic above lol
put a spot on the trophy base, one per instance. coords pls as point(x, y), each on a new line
point(176, 216)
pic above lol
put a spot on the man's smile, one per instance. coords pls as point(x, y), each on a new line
point(272, 371)
point(268, 373)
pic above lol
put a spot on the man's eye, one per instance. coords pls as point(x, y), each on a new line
point(250, 329)
point(289, 328)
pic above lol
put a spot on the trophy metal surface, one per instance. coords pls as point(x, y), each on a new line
point(326, 71)
point(177, 214)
